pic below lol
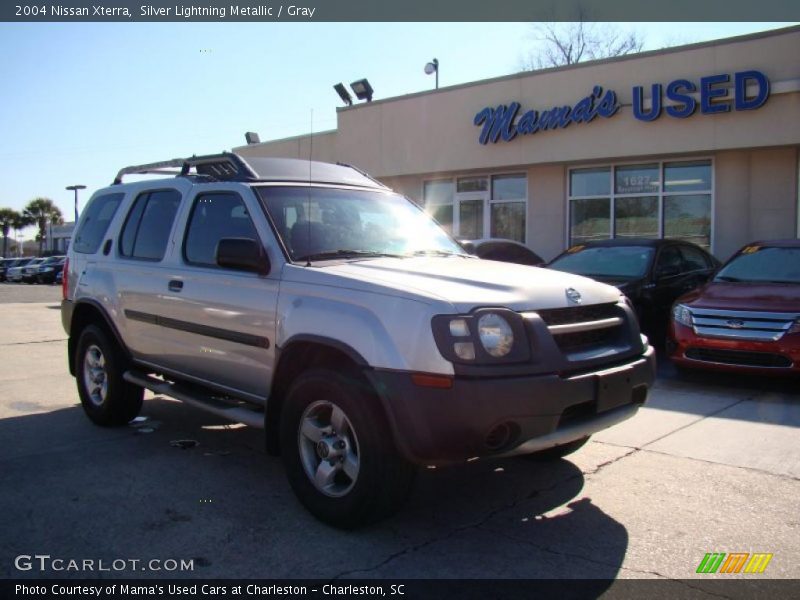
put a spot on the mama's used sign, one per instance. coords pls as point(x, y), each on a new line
point(505, 122)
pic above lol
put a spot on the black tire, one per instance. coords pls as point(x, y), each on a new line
point(111, 401)
point(384, 478)
point(557, 452)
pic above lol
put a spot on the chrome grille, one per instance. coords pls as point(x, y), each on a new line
point(741, 325)
point(581, 328)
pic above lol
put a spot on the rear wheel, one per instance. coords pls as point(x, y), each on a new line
point(338, 450)
point(106, 397)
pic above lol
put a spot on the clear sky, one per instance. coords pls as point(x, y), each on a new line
point(79, 101)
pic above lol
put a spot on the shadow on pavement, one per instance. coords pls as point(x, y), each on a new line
point(74, 490)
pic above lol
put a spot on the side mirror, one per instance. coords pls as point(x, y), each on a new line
point(244, 254)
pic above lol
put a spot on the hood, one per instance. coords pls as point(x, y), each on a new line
point(466, 283)
point(765, 297)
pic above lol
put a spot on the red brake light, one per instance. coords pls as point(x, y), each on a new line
point(64, 276)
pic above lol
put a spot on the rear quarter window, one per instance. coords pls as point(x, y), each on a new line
point(97, 218)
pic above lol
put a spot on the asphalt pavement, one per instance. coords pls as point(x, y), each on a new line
point(711, 464)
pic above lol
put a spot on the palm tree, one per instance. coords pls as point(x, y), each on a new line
point(8, 220)
point(41, 211)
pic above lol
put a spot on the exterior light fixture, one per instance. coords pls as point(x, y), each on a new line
point(362, 89)
point(433, 67)
point(75, 188)
point(252, 138)
point(343, 94)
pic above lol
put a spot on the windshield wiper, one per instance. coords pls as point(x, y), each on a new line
point(727, 279)
point(343, 253)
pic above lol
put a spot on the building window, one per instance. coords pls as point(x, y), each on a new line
point(650, 200)
point(437, 196)
point(482, 206)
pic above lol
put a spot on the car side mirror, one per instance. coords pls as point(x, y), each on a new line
point(244, 254)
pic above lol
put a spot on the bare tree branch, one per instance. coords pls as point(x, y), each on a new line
point(557, 44)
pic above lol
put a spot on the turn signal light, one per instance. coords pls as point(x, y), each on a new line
point(432, 381)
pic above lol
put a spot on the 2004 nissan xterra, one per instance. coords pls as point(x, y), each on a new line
point(311, 300)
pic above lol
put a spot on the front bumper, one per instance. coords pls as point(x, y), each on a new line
point(509, 415)
point(687, 349)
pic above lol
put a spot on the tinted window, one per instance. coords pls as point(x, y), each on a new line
point(622, 261)
point(694, 259)
point(763, 264)
point(214, 217)
point(97, 218)
point(669, 260)
point(146, 231)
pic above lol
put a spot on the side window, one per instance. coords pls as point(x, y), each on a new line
point(669, 261)
point(146, 230)
point(215, 216)
point(95, 223)
point(694, 259)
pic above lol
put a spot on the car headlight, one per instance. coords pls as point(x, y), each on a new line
point(495, 334)
point(681, 314)
point(483, 337)
point(45, 269)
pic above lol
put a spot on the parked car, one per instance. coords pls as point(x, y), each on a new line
point(651, 273)
point(50, 268)
point(14, 274)
point(503, 250)
point(747, 318)
point(311, 300)
point(30, 272)
point(5, 265)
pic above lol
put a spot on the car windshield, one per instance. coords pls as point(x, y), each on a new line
point(330, 223)
point(613, 262)
point(760, 264)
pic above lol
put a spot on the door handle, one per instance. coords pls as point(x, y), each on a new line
point(176, 285)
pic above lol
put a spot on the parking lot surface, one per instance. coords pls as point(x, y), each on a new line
point(711, 464)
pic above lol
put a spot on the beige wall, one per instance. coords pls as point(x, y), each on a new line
point(406, 140)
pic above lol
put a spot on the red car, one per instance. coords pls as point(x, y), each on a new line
point(747, 318)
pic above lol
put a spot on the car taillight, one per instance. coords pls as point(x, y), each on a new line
point(64, 277)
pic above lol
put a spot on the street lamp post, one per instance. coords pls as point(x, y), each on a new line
point(433, 67)
point(75, 189)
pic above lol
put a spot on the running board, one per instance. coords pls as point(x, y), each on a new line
point(238, 413)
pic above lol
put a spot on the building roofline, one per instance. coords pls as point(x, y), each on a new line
point(582, 65)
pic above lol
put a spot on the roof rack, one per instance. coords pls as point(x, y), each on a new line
point(219, 167)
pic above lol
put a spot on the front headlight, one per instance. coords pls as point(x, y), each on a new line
point(486, 336)
point(681, 314)
point(495, 334)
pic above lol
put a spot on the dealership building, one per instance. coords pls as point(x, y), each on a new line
point(699, 142)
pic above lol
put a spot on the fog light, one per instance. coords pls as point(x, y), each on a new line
point(458, 328)
point(464, 350)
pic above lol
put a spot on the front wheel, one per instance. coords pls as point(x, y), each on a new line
point(106, 397)
point(338, 451)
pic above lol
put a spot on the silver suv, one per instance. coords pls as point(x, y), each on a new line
point(308, 299)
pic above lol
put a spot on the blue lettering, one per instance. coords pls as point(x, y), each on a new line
point(527, 123)
point(708, 93)
point(608, 105)
point(655, 103)
point(497, 123)
point(740, 85)
point(678, 91)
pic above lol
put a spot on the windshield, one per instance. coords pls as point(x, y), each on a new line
point(620, 262)
point(758, 264)
point(326, 223)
